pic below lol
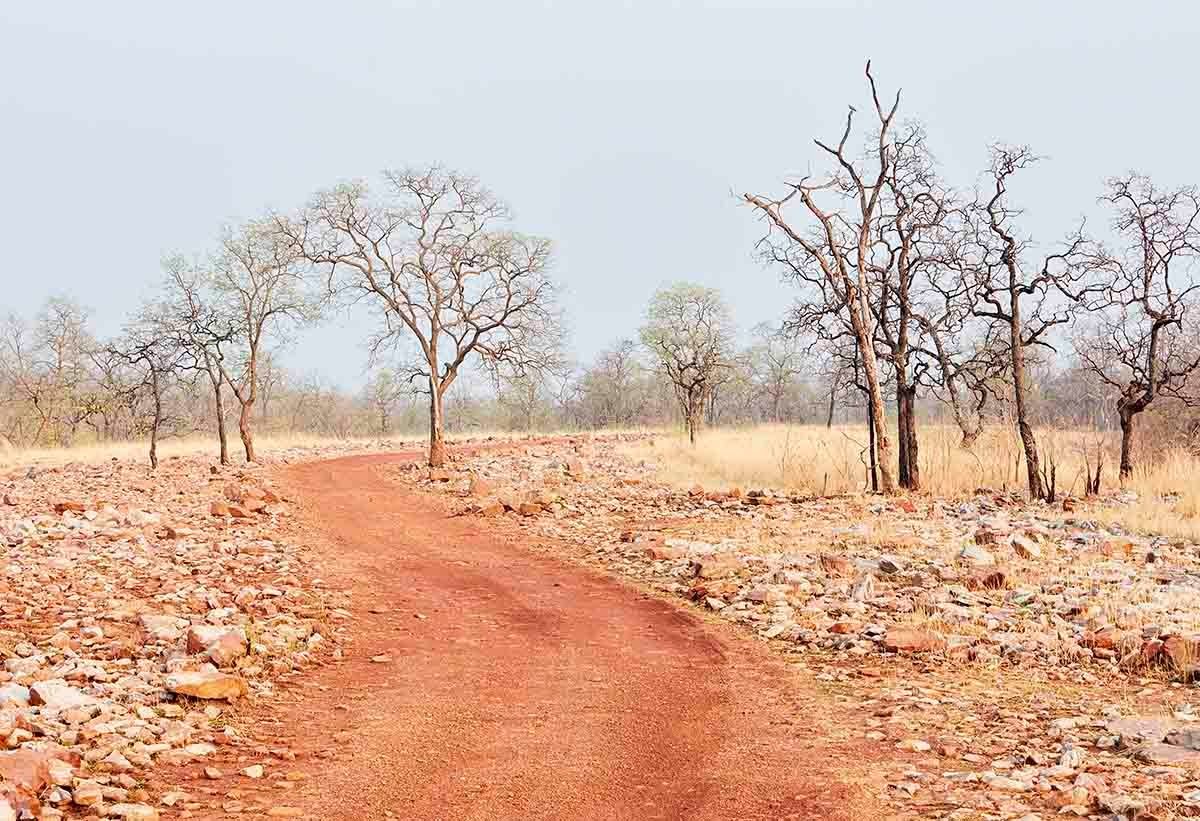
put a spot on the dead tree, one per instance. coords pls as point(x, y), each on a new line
point(150, 347)
point(776, 362)
point(835, 255)
point(1139, 344)
point(689, 333)
point(437, 258)
point(915, 215)
point(260, 289)
point(197, 325)
point(1026, 301)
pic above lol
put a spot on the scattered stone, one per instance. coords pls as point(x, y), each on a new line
point(207, 684)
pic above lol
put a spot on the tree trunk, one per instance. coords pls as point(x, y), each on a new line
point(1127, 418)
point(1020, 396)
point(832, 402)
point(222, 435)
point(873, 461)
point(901, 438)
point(883, 445)
point(437, 445)
point(244, 430)
point(906, 423)
point(157, 419)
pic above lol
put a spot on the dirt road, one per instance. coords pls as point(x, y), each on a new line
point(522, 687)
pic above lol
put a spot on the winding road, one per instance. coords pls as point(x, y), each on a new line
point(518, 686)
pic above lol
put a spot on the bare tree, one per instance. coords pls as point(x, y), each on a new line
point(197, 325)
point(259, 284)
point(1027, 301)
point(437, 260)
point(778, 361)
point(689, 332)
point(837, 255)
point(152, 348)
point(1139, 345)
point(611, 389)
point(48, 367)
point(382, 393)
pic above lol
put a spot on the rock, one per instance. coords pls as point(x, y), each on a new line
point(912, 640)
point(29, 769)
point(65, 505)
point(253, 505)
point(987, 580)
point(1136, 729)
point(716, 566)
point(14, 694)
point(116, 762)
point(1168, 755)
point(976, 555)
point(207, 684)
point(914, 745)
point(836, 565)
point(1183, 652)
point(864, 589)
point(87, 793)
point(254, 771)
point(889, 564)
point(57, 695)
point(660, 552)
point(133, 812)
point(1189, 738)
point(985, 536)
point(1026, 548)
point(529, 508)
point(227, 649)
point(162, 628)
point(222, 644)
point(1106, 638)
point(218, 508)
point(480, 487)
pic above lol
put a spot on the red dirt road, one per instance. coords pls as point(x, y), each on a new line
point(523, 687)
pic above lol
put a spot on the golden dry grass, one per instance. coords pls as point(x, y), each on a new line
point(265, 443)
point(814, 460)
point(94, 452)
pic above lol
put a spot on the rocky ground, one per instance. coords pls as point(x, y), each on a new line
point(1018, 661)
point(1011, 661)
point(139, 611)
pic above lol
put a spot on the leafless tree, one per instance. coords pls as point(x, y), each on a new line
point(837, 253)
point(689, 332)
point(197, 324)
point(778, 362)
point(436, 258)
point(47, 366)
point(1026, 300)
point(1139, 344)
point(382, 392)
point(152, 348)
point(260, 289)
point(611, 388)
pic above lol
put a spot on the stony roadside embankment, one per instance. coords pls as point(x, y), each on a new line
point(139, 610)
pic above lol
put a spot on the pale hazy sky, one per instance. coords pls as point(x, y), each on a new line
point(131, 130)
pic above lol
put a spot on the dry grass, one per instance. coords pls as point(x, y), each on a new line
point(187, 446)
point(813, 460)
point(265, 443)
